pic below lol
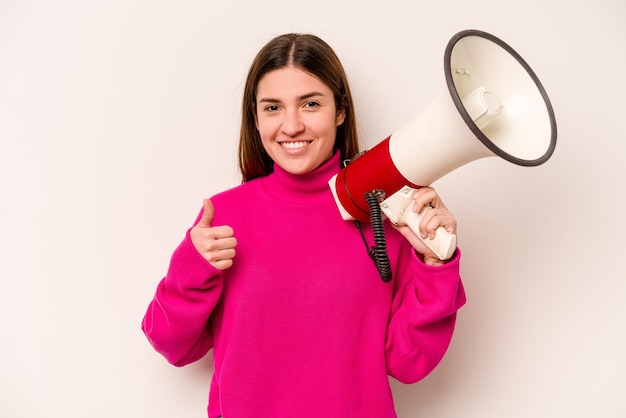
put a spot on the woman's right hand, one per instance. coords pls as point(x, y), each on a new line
point(216, 244)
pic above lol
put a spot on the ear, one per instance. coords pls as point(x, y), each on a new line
point(341, 117)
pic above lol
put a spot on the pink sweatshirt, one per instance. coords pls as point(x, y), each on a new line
point(302, 325)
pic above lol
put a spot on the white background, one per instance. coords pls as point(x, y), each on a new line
point(118, 117)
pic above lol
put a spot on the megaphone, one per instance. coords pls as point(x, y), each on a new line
point(492, 104)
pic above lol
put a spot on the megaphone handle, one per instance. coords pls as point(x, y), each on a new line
point(443, 244)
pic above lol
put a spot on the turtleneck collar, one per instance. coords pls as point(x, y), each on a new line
point(289, 186)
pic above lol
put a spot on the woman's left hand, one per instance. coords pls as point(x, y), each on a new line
point(436, 215)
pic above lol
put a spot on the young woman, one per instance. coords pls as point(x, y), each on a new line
point(280, 286)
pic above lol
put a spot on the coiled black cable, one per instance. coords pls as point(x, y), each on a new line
point(378, 252)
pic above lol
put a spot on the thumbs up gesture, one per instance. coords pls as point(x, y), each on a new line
point(215, 243)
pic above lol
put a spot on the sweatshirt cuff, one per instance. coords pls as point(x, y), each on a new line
point(451, 264)
point(188, 269)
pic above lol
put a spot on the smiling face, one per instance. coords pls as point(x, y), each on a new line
point(297, 119)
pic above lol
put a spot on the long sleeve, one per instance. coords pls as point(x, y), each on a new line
point(303, 302)
point(423, 316)
point(177, 320)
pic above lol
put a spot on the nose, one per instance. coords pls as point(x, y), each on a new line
point(292, 123)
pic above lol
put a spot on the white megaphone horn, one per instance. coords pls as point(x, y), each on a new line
point(490, 94)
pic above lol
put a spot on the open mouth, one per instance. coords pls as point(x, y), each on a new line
point(295, 144)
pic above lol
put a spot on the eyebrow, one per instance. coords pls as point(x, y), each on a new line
point(303, 97)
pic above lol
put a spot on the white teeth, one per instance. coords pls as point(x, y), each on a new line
point(295, 144)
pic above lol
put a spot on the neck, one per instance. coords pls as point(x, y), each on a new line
point(299, 185)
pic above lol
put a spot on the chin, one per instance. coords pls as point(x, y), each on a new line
point(298, 170)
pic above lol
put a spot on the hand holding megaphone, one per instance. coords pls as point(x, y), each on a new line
point(400, 209)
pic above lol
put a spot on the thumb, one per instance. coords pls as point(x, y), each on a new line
point(207, 215)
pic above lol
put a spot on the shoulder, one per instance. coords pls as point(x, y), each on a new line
point(237, 193)
point(236, 202)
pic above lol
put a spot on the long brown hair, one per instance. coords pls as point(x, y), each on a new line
point(308, 53)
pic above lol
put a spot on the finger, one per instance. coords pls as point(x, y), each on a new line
point(225, 254)
point(435, 218)
point(423, 197)
point(222, 259)
point(426, 197)
point(428, 224)
point(207, 215)
point(218, 241)
point(222, 264)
